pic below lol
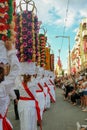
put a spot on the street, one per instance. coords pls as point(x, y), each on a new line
point(61, 116)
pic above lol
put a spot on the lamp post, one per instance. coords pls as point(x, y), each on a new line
point(68, 37)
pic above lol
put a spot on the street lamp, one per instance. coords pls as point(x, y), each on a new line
point(69, 50)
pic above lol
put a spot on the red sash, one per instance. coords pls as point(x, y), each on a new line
point(51, 97)
point(39, 91)
point(33, 98)
point(40, 86)
point(25, 98)
point(51, 82)
point(6, 124)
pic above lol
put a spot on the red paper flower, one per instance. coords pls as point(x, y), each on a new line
point(25, 44)
point(4, 38)
point(24, 29)
point(6, 16)
point(29, 32)
point(24, 36)
point(2, 20)
point(3, 10)
point(24, 21)
point(29, 60)
point(3, 1)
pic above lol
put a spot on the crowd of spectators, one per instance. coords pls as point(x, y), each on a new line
point(75, 88)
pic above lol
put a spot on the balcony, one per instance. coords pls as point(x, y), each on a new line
point(84, 21)
point(76, 38)
point(84, 33)
point(78, 33)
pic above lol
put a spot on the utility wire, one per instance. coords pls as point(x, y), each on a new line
point(67, 8)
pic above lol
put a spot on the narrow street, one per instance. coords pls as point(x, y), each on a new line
point(61, 116)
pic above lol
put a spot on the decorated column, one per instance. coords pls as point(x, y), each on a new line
point(52, 62)
point(27, 29)
point(42, 40)
point(47, 65)
point(37, 43)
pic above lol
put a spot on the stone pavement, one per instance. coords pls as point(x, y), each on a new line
point(61, 116)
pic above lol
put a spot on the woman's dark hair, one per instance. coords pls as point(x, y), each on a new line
point(1, 70)
point(1, 74)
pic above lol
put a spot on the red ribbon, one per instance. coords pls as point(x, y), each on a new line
point(36, 102)
point(39, 91)
point(25, 98)
point(51, 97)
point(6, 124)
point(51, 82)
point(40, 86)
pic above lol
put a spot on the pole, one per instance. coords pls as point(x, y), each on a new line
point(69, 56)
point(69, 50)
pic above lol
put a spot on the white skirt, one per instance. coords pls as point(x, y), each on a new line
point(27, 115)
point(47, 98)
point(41, 101)
point(52, 91)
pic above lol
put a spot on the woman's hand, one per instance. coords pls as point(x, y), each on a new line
point(16, 101)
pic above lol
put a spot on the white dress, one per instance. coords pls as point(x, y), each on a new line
point(40, 96)
point(6, 89)
point(27, 109)
point(47, 98)
point(52, 90)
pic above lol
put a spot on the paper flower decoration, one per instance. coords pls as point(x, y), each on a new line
point(6, 17)
point(42, 49)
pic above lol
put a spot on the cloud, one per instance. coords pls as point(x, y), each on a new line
point(54, 11)
point(48, 9)
point(83, 13)
point(75, 30)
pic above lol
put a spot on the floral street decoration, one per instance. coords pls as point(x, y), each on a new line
point(27, 39)
point(52, 62)
point(42, 40)
point(37, 45)
point(6, 18)
point(47, 65)
point(24, 42)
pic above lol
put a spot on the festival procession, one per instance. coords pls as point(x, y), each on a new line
point(41, 89)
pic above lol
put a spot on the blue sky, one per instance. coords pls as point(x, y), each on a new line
point(52, 13)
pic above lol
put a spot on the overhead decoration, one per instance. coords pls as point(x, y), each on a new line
point(7, 19)
point(37, 43)
point(47, 65)
point(42, 40)
point(52, 62)
point(27, 28)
